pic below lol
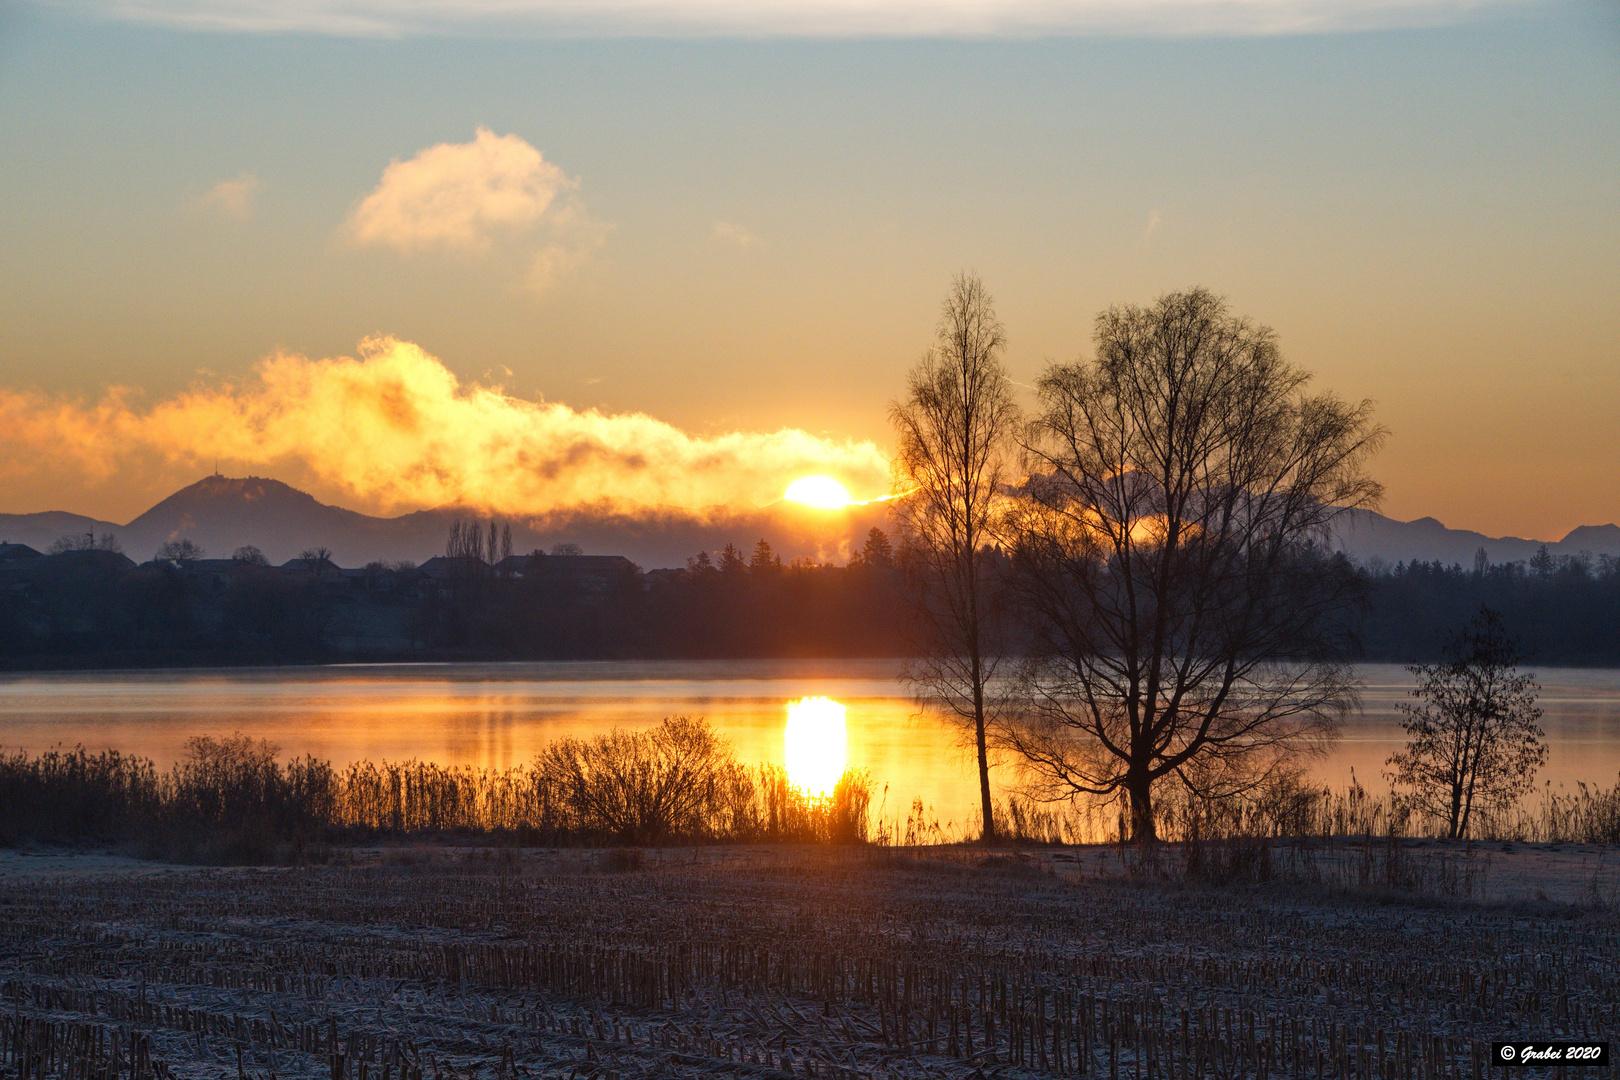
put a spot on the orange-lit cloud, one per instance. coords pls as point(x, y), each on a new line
point(467, 198)
point(233, 198)
point(394, 430)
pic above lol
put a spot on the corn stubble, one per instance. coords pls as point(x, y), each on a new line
point(767, 963)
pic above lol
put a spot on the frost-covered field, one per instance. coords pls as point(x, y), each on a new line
point(447, 964)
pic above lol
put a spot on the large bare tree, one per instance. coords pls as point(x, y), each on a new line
point(955, 432)
point(1182, 606)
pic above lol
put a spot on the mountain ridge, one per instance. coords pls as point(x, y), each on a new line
point(223, 513)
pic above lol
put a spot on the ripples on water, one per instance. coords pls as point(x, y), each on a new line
point(501, 714)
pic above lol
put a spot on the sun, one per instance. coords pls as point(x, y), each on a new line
point(815, 745)
point(822, 492)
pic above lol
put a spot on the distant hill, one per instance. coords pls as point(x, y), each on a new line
point(1367, 536)
point(41, 530)
point(223, 513)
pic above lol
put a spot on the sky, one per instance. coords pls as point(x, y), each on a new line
point(535, 253)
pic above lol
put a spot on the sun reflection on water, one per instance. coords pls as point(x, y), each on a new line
point(815, 744)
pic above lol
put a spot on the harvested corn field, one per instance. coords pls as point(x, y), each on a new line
point(444, 965)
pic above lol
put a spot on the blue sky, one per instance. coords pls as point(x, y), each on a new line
point(754, 232)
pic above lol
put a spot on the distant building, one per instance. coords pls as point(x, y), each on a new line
point(662, 577)
point(461, 567)
point(84, 561)
point(513, 566)
point(11, 553)
point(327, 573)
point(592, 573)
point(211, 575)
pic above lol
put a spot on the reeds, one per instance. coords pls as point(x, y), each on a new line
point(230, 800)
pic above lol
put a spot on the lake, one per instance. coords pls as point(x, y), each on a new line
point(502, 714)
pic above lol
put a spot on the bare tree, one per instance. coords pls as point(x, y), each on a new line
point(1183, 609)
point(954, 435)
point(1475, 736)
point(85, 542)
point(183, 550)
point(248, 555)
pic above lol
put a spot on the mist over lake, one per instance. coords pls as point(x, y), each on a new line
point(502, 714)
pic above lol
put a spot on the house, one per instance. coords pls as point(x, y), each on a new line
point(459, 568)
point(208, 575)
point(325, 571)
point(662, 578)
point(16, 553)
point(513, 566)
point(592, 573)
point(82, 562)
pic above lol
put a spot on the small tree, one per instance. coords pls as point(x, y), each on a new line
point(248, 555)
point(181, 551)
point(1475, 736)
point(877, 551)
point(764, 560)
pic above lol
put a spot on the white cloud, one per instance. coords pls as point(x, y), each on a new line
point(1154, 220)
point(804, 18)
point(458, 195)
point(234, 198)
point(469, 198)
point(735, 234)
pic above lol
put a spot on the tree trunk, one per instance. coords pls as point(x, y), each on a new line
point(1139, 786)
point(986, 808)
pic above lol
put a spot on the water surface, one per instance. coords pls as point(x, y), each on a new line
point(502, 714)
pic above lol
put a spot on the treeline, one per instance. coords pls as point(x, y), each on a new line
point(729, 606)
point(1562, 610)
point(229, 800)
point(100, 610)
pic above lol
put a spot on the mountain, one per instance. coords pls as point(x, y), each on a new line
point(223, 513)
point(40, 531)
point(1366, 536)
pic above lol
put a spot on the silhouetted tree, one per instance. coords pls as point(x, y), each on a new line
point(764, 559)
point(182, 550)
point(85, 542)
point(953, 433)
point(248, 555)
point(731, 560)
point(1475, 736)
point(316, 558)
point(1185, 618)
point(877, 552)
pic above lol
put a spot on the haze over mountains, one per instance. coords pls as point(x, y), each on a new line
point(223, 513)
